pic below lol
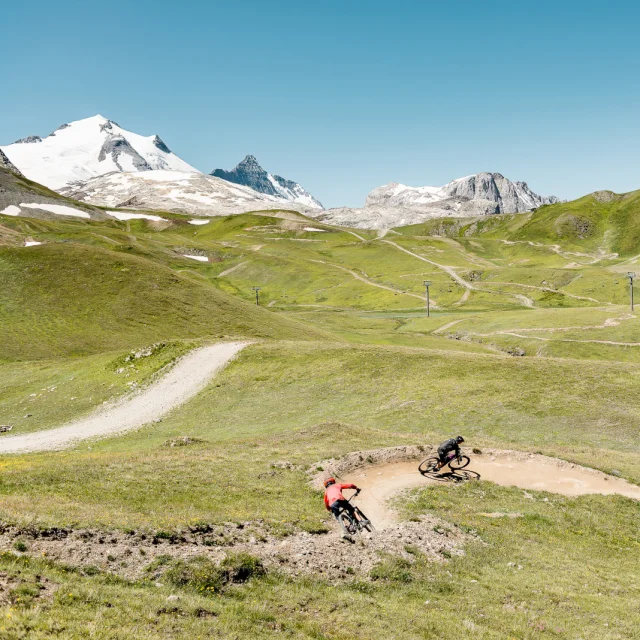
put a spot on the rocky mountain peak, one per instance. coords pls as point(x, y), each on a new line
point(250, 161)
point(250, 174)
point(28, 140)
point(480, 194)
point(5, 163)
point(159, 142)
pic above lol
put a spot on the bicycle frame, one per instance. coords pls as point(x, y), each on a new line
point(356, 515)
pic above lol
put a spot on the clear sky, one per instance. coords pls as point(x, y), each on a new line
point(343, 96)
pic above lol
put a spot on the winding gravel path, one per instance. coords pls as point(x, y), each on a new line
point(382, 482)
point(185, 379)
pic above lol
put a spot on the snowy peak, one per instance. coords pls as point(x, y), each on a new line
point(250, 174)
point(87, 148)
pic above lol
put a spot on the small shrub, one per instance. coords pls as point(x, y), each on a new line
point(207, 577)
point(20, 545)
point(392, 569)
point(241, 567)
point(199, 573)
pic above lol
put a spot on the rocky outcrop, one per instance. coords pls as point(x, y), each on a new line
point(250, 174)
point(511, 197)
point(5, 163)
point(395, 204)
point(28, 140)
point(117, 146)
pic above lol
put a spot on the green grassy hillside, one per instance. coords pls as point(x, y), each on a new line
point(602, 222)
point(69, 299)
point(530, 345)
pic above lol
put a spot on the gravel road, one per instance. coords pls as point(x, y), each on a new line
point(183, 381)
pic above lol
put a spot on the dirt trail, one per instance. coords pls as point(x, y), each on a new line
point(372, 283)
point(230, 270)
point(189, 376)
point(508, 468)
point(461, 281)
point(448, 270)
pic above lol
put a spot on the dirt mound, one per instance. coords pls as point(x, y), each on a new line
point(340, 466)
point(128, 554)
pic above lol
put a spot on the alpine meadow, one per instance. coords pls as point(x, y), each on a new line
point(233, 406)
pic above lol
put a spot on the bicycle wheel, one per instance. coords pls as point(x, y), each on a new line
point(456, 466)
point(428, 466)
point(365, 523)
point(347, 525)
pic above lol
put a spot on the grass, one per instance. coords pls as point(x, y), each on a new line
point(583, 413)
point(345, 360)
point(73, 300)
point(575, 577)
point(47, 393)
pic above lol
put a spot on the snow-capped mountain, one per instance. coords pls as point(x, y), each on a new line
point(249, 173)
point(396, 204)
point(87, 148)
point(178, 191)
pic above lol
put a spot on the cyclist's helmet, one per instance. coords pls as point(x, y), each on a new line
point(329, 481)
point(459, 439)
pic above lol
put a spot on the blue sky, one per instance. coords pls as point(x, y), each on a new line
point(344, 96)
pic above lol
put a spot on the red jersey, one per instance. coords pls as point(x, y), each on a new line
point(334, 492)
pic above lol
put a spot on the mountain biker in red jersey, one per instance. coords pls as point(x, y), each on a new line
point(453, 444)
point(334, 501)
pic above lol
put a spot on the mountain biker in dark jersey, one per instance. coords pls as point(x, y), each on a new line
point(453, 444)
point(334, 501)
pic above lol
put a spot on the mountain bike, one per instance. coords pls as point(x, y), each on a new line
point(358, 522)
point(455, 463)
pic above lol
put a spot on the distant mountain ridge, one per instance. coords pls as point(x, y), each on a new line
point(87, 148)
point(81, 158)
point(395, 204)
point(250, 174)
point(178, 191)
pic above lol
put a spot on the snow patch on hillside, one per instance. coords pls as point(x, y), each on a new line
point(120, 215)
point(58, 209)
